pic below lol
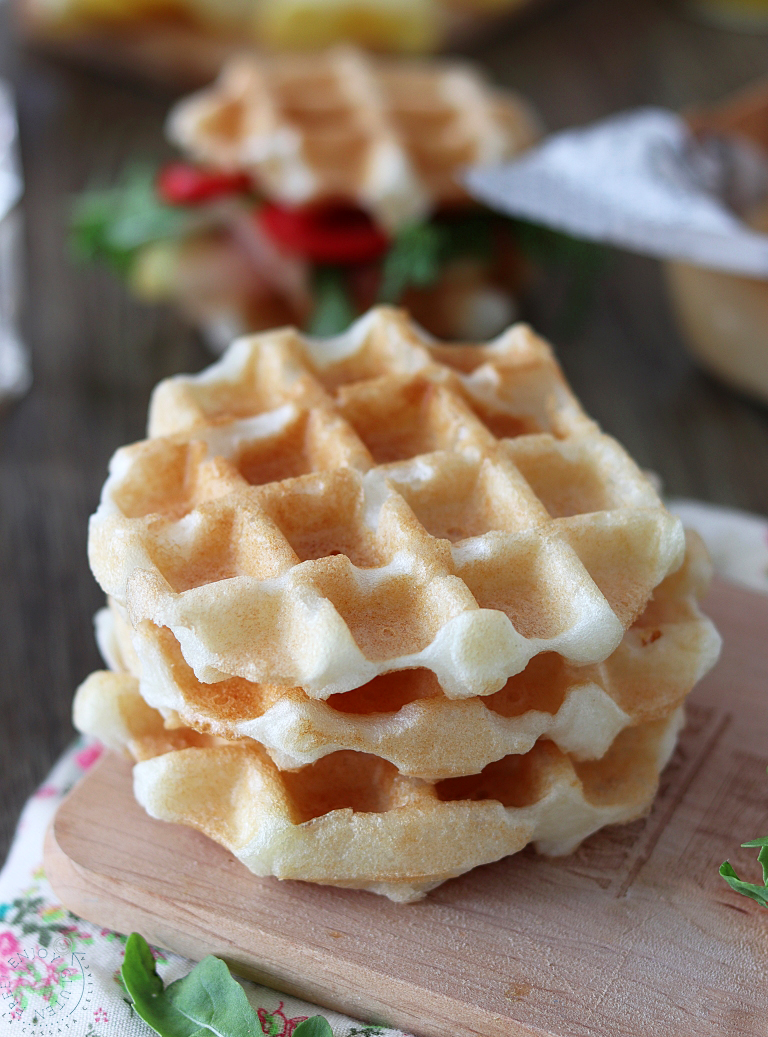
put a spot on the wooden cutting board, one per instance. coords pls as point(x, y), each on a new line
point(635, 934)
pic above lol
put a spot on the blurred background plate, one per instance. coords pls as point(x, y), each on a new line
point(181, 44)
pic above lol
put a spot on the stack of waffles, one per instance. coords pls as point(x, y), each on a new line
point(382, 610)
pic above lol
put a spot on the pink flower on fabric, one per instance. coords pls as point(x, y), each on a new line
point(100, 1016)
point(276, 1024)
point(88, 756)
point(9, 945)
point(55, 974)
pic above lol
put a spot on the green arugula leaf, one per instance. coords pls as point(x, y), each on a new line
point(419, 253)
point(317, 1026)
point(334, 311)
point(421, 250)
point(750, 889)
point(414, 258)
point(112, 224)
point(146, 991)
point(206, 1003)
point(762, 857)
point(747, 889)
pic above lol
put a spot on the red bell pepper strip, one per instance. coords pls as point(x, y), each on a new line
point(328, 233)
point(179, 183)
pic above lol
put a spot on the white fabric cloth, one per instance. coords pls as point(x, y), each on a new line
point(737, 541)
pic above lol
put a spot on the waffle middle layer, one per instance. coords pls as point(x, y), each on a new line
point(405, 718)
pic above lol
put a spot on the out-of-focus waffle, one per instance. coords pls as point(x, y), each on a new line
point(391, 136)
point(318, 513)
point(351, 820)
point(406, 719)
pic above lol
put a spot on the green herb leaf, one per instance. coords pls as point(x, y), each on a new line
point(750, 889)
point(206, 1003)
point(146, 991)
point(334, 311)
point(113, 223)
point(420, 251)
point(762, 857)
point(414, 258)
point(317, 1026)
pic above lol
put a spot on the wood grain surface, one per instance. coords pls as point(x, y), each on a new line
point(635, 934)
point(96, 354)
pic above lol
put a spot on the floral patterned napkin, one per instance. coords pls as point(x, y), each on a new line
point(60, 975)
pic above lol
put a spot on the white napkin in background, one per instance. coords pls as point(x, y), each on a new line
point(15, 373)
point(29, 908)
point(736, 540)
point(642, 181)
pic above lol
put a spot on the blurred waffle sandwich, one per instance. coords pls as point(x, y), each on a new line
point(182, 43)
point(382, 609)
point(316, 185)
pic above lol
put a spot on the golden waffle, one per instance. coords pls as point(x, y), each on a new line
point(406, 719)
point(390, 136)
point(317, 513)
point(350, 819)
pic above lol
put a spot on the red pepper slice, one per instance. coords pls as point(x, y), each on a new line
point(181, 184)
point(325, 233)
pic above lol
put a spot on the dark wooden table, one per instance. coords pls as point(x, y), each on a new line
point(97, 355)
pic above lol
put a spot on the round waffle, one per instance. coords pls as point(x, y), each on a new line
point(390, 135)
point(317, 513)
point(351, 820)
